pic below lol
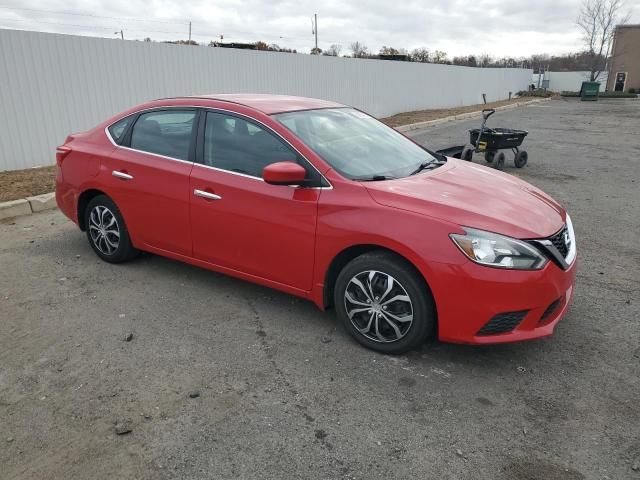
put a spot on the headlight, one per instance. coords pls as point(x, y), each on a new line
point(571, 254)
point(495, 250)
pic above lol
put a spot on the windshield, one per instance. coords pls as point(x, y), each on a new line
point(355, 144)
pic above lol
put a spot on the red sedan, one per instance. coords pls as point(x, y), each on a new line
point(325, 202)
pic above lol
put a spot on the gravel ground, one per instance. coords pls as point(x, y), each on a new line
point(279, 391)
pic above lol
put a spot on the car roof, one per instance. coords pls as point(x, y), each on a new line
point(269, 104)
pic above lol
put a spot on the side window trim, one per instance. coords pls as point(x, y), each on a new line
point(199, 157)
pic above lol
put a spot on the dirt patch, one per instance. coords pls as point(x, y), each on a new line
point(25, 183)
point(407, 118)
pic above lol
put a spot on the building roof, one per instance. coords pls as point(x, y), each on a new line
point(269, 104)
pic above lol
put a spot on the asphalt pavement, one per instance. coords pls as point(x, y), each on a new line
point(159, 370)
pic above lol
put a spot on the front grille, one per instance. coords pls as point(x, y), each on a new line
point(503, 322)
point(558, 241)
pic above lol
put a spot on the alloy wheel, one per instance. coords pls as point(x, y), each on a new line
point(378, 306)
point(104, 230)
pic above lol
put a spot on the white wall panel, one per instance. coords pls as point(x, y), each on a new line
point(52, 85)
point(568, 81)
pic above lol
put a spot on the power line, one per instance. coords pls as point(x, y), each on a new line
point(126, 19)
point(58, 23)
point(204, 26)
point(132, 19)
point(87, 26)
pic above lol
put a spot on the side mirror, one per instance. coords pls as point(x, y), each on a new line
point(284, 173)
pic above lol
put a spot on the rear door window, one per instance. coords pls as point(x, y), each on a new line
point(165, 132)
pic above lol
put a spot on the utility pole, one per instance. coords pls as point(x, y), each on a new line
point(315, 29)
point(189, 33)
point(121, 32)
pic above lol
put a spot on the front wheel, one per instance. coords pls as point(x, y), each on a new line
point(107, 232)
point(498, 162)
point(384, 303)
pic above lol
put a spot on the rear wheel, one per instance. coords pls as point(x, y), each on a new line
point(107, 232)
point(521, 158)
point(383, 303)
point(499, 161)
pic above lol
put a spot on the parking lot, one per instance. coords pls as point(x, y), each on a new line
point(280, 389)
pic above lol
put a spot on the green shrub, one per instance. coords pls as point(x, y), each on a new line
point(632, 90)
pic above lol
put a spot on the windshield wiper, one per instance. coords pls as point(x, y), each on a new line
point(375, 178)
point(424, 166)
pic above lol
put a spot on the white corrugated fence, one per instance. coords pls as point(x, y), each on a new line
point(52, 85)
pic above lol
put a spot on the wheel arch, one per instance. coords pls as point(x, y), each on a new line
point(83, 200)
point(349, 253)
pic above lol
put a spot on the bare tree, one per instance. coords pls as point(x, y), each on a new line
point(333, 51)
point(420, 54)
point(598, 20)
point(465, 61)
point(439, 56)
point(388, 51)
point(359, 50)
point(484, 60)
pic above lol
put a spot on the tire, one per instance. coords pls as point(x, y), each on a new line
point(489, 155)
point(369, 274)
point(499, 161)
point(467, 154)
point(107, 232)
point(521, 158)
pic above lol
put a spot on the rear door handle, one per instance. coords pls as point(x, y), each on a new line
point(207, 195)
point(122, 175)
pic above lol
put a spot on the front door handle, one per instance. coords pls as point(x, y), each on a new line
point(207, 195)
point(122, 175)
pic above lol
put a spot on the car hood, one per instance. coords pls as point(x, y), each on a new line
point(474, 196)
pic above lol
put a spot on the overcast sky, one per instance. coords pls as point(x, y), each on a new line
point(497, 27)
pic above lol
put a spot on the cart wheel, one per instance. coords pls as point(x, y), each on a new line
point(489, 155)
point(521, 158)
point(467, 154)
point(499, 161)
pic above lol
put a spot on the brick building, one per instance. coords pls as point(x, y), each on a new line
point(624, 66)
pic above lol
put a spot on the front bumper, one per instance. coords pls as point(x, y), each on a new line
point(469, 296)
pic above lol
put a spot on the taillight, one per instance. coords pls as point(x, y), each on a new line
point(61, 152)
